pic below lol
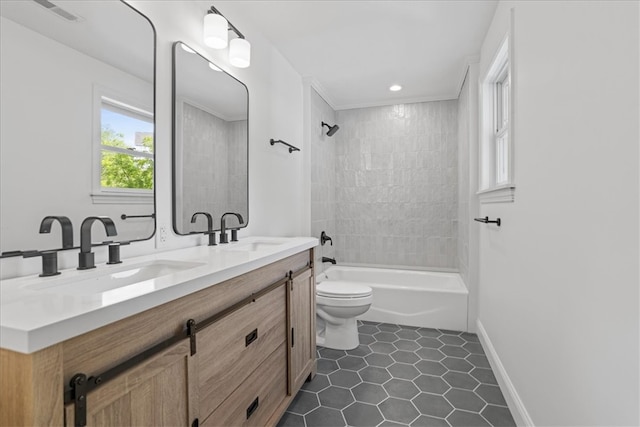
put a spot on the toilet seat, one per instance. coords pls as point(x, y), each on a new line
point(342, 289)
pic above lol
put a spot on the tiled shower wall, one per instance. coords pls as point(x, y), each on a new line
point(463, 182)
point(323, 175)
point(397, 185)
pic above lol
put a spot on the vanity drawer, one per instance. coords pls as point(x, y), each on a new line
point(232, 348)
point(254, 402)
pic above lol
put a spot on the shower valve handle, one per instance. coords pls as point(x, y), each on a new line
point(324, 239)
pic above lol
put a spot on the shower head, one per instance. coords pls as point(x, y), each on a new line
point(332, 129)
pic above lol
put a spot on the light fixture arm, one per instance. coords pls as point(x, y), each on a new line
point(231, 26)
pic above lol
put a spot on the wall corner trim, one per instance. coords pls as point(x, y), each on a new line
point(519, 412)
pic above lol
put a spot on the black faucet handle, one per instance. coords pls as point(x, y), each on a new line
point(324, 239)
point(114, 253)
point(234, 234)
point(49, 261)
point(224, 237)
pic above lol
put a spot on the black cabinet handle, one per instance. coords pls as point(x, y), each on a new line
point(253, 335)
point(252, 408)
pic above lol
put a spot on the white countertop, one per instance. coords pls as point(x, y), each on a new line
point(36, 312)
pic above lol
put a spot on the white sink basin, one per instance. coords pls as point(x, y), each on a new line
point(258, 245)
point(104, 279)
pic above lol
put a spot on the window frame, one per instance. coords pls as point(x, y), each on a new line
point(496, 180)
point(134, 108)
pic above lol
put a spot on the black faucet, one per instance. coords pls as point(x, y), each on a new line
point(67, 229)
point(223, 227)
point(86, 258)
point(331, 260)
point(210, 232)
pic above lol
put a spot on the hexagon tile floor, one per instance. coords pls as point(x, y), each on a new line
point(402, 376)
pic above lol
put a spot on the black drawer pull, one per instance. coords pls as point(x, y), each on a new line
point(253, 335)
point(252, 408)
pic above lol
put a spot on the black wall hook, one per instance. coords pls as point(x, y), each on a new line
point(486, 220)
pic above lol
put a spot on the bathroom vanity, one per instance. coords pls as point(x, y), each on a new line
point(222, 336)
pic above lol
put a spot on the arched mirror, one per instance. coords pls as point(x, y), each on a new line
point(210, 144)
point(77, 134)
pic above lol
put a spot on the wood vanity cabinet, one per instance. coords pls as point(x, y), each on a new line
point(254, 347)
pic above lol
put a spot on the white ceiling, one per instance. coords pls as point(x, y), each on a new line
point(354, 50)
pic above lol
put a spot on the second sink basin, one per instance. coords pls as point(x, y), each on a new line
point(103, 280)
point(258, 245)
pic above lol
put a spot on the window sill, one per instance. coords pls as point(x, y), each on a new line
point(502, 194)
point(122, 198)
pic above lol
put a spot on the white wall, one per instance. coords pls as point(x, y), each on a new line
point(275, 111)
point(559, 281)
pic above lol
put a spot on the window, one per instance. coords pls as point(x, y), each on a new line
point(124, 162)
point(496, 179)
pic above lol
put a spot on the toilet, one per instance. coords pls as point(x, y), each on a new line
point(337, 305)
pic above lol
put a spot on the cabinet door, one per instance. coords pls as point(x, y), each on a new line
point(158, 392)
point(302, 334)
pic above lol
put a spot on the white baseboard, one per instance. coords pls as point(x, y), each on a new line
point(519, 412)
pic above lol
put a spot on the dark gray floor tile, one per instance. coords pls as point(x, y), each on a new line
point(429, 342)
point(478, 360)
point(464, 399)
point(430, 367)
point(408, 334)
point(366, 339)
point(452, 340)
point(429, 332)
point(403, 389)
point(369, 393)
point(449, 332)
point(466, 419)
point(387, 327)
point(432, 404)
point(325, 417)
point(460, 380)
point(344, 378)
point(331, 354)
point(430, 354)
point(469, 337)
point(455, 364)
point(386, 337)
point(401, 411)
point(352, 363)
point(368, 329)
point(362, 415)
point(498, 416)
point(451, 350)
point(387, 423)
point(303, 402)
point(407, 345)
point(373, 374)
point(474, 348)
point(319, 382)
point(383, 347)
point(377, 359)
point(427, 421)
point(431, 384)
point(485, 376)
point(335, 397)
point(326, 366)
point(491, 394)
point(291, 420)
point(404, 371)
point(361, 350)
point(405, 356)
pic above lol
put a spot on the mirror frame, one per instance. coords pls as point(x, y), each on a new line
point(154, 105)
point(174, 144)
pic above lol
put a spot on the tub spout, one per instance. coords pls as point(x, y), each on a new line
point(331, 260)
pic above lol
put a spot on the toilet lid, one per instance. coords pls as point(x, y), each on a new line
point(342, 289)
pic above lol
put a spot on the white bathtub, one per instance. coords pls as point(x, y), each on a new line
point(407, 297)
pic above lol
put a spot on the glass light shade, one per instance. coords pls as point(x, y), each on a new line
point(240, 53)
point(216, 31)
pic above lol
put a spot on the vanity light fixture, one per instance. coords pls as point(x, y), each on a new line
point(395, 88)
point(216, 35)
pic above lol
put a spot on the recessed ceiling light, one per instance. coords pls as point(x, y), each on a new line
point(395, 88)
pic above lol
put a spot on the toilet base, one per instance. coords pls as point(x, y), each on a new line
point(343, 336)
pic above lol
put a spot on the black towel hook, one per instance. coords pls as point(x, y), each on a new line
point(487, 221)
